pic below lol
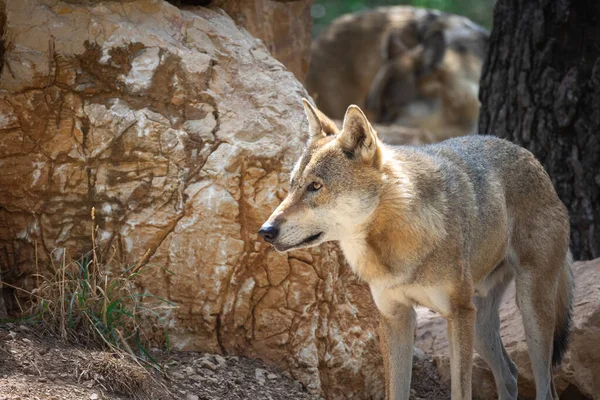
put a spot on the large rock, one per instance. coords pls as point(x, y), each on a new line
point(284, 26)
point(579, 373)
point(180, 130)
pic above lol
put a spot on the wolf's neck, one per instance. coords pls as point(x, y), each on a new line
point(406, 224)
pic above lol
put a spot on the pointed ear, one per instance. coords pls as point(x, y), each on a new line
point(432, 52)
point(358, 139)
point(319, 125)
point(393, 45)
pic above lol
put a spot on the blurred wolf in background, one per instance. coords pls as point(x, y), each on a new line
point(409, 66)
point(447, 226)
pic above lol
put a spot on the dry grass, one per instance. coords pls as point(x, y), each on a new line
point(84, 301)
point(115, 373)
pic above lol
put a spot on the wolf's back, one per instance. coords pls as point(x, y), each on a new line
point(494, 187)
point(490, 160)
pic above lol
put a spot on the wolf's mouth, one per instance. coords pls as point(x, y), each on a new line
point(311, 239)
point(305, 243)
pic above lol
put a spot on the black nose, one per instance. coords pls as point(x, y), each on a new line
point(268, 232)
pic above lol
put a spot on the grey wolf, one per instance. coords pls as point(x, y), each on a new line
point(409, 66)
point(446, 226)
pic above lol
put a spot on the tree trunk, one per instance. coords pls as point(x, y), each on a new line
point(541, 89)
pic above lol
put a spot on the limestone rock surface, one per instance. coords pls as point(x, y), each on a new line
point(180, 129)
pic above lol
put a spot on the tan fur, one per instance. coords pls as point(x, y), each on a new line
point(377, 60)
point(445, 226)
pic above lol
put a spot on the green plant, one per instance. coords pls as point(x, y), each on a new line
point(325, 11)
point(86, 301)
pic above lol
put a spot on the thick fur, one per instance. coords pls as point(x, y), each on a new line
point(564, 313)
point(445, 226)
point(391, 62)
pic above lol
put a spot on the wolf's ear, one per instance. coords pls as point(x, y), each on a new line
point(393, 45)
point(358, 139)
point(432, 52)
point(319, 125)
point(397, 42)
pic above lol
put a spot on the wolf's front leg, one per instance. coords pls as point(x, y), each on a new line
point(397, 340)
point(461, 327)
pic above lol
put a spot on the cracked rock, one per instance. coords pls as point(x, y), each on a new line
point(180, 129)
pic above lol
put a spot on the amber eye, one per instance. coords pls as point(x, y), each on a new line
point(314, 186)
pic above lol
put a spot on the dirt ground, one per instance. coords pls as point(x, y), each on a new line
point(35, 366)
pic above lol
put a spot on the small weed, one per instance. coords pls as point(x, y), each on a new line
point(85, 301)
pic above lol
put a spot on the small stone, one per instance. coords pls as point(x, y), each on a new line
point(12, 334)
point(189, 370)
point(204, 363)
point(418, 354)
point(220, 360)
point(191, 397)
point(88, 383)
point(259, 374)
point(272, 376)
point(413, 391)
point(94, 396)
point(177, 375)
point(42, 379)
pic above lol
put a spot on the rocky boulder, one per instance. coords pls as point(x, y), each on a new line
point(284, 26)
point(180, 129)
point(579, 375)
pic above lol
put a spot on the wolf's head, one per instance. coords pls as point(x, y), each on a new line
point(334, 187)
point(436, 80)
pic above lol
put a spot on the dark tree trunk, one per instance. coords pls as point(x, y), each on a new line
point(541, 89)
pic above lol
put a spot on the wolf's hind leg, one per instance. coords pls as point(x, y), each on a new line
point(536, 301)
point(488, 343)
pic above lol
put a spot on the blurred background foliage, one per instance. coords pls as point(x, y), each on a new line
point(324, 11)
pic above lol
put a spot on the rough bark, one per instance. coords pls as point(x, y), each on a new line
point(541, 88)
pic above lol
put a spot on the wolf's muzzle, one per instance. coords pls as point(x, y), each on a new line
point(269, 233)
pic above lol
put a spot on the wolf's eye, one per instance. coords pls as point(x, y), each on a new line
point(314, 186)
